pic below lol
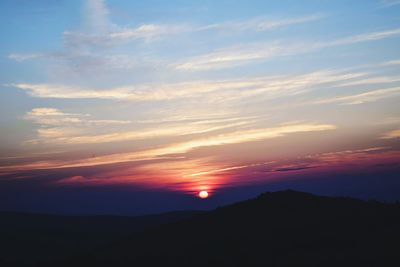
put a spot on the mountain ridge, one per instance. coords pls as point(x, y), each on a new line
point(286, 228)
point(283, 228)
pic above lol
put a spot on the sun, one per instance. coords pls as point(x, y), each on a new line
point(203, 194)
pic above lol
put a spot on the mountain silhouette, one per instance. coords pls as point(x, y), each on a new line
point(286, 228)
point(28, 239)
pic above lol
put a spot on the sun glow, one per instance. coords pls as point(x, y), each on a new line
point(203, 194)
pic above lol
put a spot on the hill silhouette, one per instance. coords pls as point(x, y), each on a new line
point(286, 228)
point(28, 239)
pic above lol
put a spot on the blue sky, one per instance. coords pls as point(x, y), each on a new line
point(196, 90)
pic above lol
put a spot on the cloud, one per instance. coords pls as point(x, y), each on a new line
point(391, 63)
point(172, 150)
point(251, 135)
point(362, 157)
point(52, 117)
point(230, 88)
point(41, 112)
point(372, 36)
point(80, 47)
point(55, 117)
point(391, 134)
point(148, 31)
point(57, 127)
point(97, 16)
point(239, 55)
point(260, 24)
point(19, 57)
point(228, 169)
point(102, 32)
point(362, 98)
point(293, 85)
point(77, 179)
point(131, 93)
point(193, 175)
point(353, 157)
point(175, 176)
point(63, 137)
point(293, 167)
point(60, 91)
point(151, 31)
point(373, 80)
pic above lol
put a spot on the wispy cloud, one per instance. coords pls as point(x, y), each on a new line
point(63, 136)
point(362, 98)
point(103, 30)
point(247, 136)
point(97, 16)
point(234, 137)
point(260, 24)
point(57, 127)
point(193, 175)
point(391, 134)
point(391, 63)
point(365, 37)
point(44, 112)
point(61, 91)
point(80, 47)
point(130, 93)
point(228, 169)
point(373, 80)
point(284, 85)
point(54, 117)
point(239, 55)
point(100, 30)
point(117, 34)
point(19, 57)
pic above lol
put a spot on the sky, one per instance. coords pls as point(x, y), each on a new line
point(134, 107)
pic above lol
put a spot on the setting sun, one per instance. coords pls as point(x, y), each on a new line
point(203, 194)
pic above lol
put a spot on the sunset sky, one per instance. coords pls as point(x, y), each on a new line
point(133, 107)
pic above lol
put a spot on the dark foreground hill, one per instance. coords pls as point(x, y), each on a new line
point(28, 239)
point(276, 229)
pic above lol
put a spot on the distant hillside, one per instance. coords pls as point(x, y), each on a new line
point(276, 229)
point(30, 238)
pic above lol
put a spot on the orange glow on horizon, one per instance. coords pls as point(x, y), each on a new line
point(193, 176)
